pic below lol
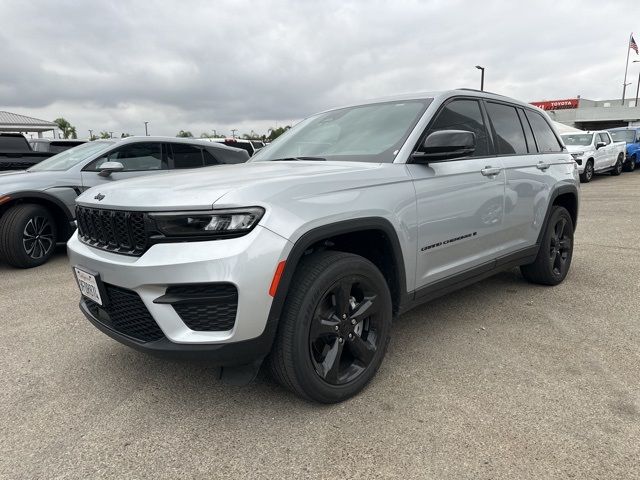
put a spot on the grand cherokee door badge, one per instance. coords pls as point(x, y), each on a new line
point(446, 242)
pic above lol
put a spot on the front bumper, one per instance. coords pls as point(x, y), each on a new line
point(248, 262)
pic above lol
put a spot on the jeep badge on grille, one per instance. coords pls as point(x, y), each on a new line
point(99, 197)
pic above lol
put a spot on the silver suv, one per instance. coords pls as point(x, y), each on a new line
point(37, 206)
point(302, 256)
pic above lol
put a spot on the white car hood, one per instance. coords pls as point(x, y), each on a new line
point(199, 189)
point(579, 148)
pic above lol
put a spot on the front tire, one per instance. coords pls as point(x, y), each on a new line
point(630, 164)
point(335, 327)
point(587, 175)
point(617, 168)
point(556, 250)
point(28, 236)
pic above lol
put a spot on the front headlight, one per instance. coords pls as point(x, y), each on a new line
point(216, 223)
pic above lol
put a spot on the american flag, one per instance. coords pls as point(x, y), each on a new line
point(633, 45)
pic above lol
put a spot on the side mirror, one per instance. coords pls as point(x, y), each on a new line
point(600, 145)
point(107, 168)
point(445, 145)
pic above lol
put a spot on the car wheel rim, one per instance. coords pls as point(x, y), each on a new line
point(589, 172)
point(345, 330)
point(560, 247)
point(38, 237)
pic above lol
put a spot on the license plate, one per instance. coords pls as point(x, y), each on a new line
point(88, 284)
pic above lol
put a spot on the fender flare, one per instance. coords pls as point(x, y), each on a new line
point(557, 191)
point(43, 196)
point(319, 233)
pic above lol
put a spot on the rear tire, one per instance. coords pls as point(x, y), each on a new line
point(334, 330)
point(587, 175)
point(28, 236)
point(617, 168)
point(556, 250)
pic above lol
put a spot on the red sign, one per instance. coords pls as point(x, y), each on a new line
point(558, 104)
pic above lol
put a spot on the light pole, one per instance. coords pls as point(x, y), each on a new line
point(624, 87)
point(215, 134)
point(638, 86)
point(146, 131)
point(481, 77)
point(90, 134)
point(233, 132)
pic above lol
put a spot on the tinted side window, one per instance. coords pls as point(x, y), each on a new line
point(186, 156)
point(12, 144)
point(528, 133)
point(134, 157)
point(245, 146)
point(605, 138)
point(464, 115)
point(545, 138)
point(509, 133)
point(209, 159)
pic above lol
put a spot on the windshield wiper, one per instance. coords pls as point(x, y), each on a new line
point(295, 159)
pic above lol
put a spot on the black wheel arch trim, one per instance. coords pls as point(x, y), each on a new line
point(317, 234)
point(27, 194)
point(566, 188)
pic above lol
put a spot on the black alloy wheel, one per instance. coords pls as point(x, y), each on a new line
point(38, 237)
point(343, 336)
point(334, 328)
point(560, 247)
point(554, 256)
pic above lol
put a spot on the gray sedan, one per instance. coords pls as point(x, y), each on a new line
point(37, 206)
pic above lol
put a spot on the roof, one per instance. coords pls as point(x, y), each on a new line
point(15, 122)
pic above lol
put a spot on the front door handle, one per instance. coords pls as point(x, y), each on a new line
point(489, 171)
point(542, 165)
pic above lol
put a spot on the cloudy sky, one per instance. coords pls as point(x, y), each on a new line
point(204, 65)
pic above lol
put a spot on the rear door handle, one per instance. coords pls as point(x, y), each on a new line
point(489, 171)
point(542, 165)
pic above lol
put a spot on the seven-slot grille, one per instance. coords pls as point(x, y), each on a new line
point(113, 230)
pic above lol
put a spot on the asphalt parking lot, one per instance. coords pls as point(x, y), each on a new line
point(501, 380)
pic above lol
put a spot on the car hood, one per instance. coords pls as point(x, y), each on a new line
point(22, 180)
point(579, 148)
point(247, 183)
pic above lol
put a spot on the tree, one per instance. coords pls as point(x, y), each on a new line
point(276, 132)
point(104, 135)
point(185, 134)
point(68, 130)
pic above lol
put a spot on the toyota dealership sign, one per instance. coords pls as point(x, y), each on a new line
point(566, 104)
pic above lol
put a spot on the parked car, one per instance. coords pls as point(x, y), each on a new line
point(53, 145)
point(631, 136)
point(595, 152)
point(251, 146)
point(17, 154)
point(303, 255)
point(37, 206)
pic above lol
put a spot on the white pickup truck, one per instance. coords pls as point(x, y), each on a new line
point(595, 152)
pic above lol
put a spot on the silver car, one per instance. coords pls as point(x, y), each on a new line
point(302, 256)
point(37, 206)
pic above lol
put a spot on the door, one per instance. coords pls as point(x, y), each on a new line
point(524, 174)
point(603, 156)
point(140, 158)
point(460, 203)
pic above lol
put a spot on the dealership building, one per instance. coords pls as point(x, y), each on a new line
point(592, 114)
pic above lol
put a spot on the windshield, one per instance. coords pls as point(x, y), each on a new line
point(582, 139)
point(628, 136)
point(365, 133)
point(70, 158)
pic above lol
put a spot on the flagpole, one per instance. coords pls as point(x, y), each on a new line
point(626, 67)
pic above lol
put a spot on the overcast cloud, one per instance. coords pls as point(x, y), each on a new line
point(203, 65)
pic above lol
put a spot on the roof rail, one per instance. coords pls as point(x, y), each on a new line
point(479, 91)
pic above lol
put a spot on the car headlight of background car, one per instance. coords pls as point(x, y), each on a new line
point(213, 224)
